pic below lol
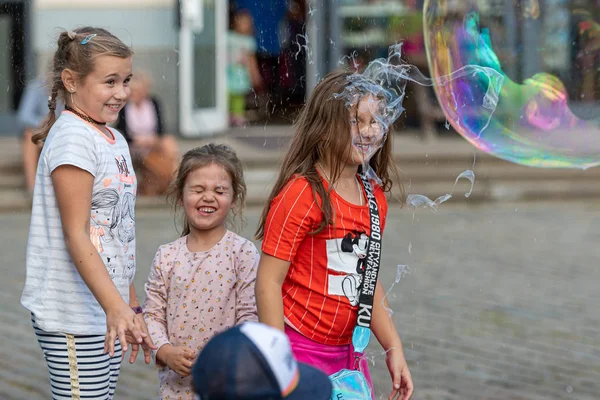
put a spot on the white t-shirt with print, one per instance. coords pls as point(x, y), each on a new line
point(54, 291)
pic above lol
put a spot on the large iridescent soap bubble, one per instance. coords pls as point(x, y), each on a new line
point(533, 122)
point(375, 96)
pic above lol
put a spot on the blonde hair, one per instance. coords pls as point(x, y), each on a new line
point(219, 154)
point(77, 51)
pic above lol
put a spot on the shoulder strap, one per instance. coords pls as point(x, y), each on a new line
point(362, 330)
point(371, 270)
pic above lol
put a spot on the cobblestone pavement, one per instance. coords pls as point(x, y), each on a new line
point(501, 302)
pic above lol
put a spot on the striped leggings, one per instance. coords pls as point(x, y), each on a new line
point(78, 367)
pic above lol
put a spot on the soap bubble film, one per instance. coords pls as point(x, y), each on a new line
point(536, 122)
point(374, 98)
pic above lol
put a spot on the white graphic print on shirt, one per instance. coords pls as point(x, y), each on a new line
point(113, 217)
point(346, 257)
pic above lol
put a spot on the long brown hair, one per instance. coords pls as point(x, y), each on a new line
point(322, 133)
point(77, 55)
point(199, 157)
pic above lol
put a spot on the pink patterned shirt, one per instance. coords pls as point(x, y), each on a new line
point(192, 296)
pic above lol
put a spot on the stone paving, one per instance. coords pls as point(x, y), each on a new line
point(501, 302)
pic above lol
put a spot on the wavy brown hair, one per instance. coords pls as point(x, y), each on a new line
point(323, 133)
point(199, 157)
point(79, 58)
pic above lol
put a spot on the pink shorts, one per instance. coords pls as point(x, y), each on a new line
point(329, 359)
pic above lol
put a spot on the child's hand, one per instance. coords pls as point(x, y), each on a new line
point(120, 322)
point(147, 344)
point(180, 359)
point(401, 380)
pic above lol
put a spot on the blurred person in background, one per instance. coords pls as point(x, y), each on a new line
point(32, 111)
point(408, 29)
point(267, 16)
point(155, 154)
point(293, 54)
point(242, 68)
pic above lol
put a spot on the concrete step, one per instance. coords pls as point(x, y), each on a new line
point(427, 168)
point(410, 173)
point(11, 181)
point(445, 173)
point(493, 182)
point(418, 159)
point(264, 148)
point(483, 191)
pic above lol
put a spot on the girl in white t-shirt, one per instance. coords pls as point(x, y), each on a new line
point(79, 286)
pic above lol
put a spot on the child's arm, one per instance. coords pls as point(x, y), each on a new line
point(246, 266)
point(291, 216)
point(155, 307)
point(252, 64)
point(139, 319)
point(269, 280)
point(179, 358)
point(382, 324)
point(387, 335)
point(74, 205)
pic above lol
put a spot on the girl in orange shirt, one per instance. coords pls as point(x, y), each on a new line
point(316, 228)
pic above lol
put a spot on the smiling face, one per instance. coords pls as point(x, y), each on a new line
point(207, 198)
point(102, 93)
point(367, 132)
point(102, 216)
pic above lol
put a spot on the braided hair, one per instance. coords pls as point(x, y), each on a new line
point(76, 51)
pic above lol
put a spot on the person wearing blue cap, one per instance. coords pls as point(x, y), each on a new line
point(254, 361)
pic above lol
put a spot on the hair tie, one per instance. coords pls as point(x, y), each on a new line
point(51, 103)
point(88, 38)
point(71, 35)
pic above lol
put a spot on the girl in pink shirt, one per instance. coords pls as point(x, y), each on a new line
point(203, 282)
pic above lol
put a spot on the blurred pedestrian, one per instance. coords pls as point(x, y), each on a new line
point(33, 109)
point(255, 362)
point(155, 153)
point(267, 16)
point(242, 69)
point(293, 54)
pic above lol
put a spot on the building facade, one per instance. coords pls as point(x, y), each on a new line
point(30, 29)
point(182, 44)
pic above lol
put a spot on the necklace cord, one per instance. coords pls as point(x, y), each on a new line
point(83, 116)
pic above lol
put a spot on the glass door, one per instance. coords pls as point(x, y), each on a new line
point(202, 67)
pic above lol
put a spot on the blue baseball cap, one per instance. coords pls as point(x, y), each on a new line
point(253, 361)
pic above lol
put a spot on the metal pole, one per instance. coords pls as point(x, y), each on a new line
point(530, 40)
point(30, 62)
point(317, 35)
point(510, 22)
point(334, 42)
